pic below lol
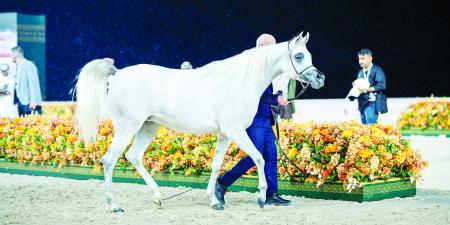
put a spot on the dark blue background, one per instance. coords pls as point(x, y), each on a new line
point(409, 38)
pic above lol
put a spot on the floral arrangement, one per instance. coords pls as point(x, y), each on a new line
point(336, 152)
point(346, 152)
point(60, 109)
point(426, 114)
point(50, 140)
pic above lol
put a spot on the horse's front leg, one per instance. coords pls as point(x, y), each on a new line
point(219, 154)
point(241, 138)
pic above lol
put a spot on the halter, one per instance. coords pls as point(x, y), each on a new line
point(304, 86)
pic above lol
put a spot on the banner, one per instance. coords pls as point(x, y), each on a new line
point(8, 40)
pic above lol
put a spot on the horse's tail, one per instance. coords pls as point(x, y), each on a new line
point(91, 92)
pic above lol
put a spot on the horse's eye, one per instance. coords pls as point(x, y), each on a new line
point(299, 56)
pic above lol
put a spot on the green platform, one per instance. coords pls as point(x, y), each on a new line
point(424, 132)
point(370, 192)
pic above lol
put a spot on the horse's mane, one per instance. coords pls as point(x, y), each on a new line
point(250, 64)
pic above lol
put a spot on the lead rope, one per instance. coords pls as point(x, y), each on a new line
point(277, 113)
point(183, 192)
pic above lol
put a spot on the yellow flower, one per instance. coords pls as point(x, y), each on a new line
point(381, 148)
point(331, 148)
point(400, 158)
point(11, 145)
point(32, 131)
point(347, 133)
point(77, 153)
point(104, 131)
point(97, 168)
point(366, 140)
point(311, 179)
point(377, 132)
point(364, 153)
point(178, 155)
point(292, 153)
point(162, 159)
point(316, 132)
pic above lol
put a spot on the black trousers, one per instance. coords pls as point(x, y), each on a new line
point(25, 109)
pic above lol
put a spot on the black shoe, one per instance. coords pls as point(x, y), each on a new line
point(220, 192)
point(275, 199)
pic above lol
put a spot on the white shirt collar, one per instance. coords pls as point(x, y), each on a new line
point(368, 73)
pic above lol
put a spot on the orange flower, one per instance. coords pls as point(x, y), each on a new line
point(329, 138)
point(326, 173)
point(324, 132)
point(365, 171)
point(240, 154)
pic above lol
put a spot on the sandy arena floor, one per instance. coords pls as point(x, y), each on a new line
point(47, 200)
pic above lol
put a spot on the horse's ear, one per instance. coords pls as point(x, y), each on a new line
point(306, 38)
point(298, 39)
point(302, 40)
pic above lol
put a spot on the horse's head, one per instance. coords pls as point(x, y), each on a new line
point(300, 65)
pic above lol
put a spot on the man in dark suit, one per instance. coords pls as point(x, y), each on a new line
point(377, 79)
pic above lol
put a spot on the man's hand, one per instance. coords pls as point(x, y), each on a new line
point(363, 90)
point(33, 106)
point(5, 93)
point(282, 101)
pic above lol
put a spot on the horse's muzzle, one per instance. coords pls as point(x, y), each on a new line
point(317, 79)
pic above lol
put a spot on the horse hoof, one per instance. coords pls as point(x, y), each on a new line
point(158, 202)
point(261, 203)
point(217, 206)
point(116, 210)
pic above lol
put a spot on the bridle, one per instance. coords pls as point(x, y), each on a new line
point(304, 86)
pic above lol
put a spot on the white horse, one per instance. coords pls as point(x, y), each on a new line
point(221, 98)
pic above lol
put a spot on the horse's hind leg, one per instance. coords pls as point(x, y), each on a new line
point(123, 133)
point(141, 141)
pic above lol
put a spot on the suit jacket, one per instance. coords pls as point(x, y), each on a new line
point(377, 79)
point(264, 116)
point(27, 84)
